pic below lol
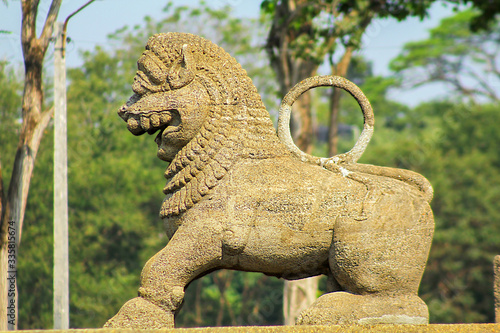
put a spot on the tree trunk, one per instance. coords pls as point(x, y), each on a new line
point(289, 71)
point(340, 70)
point(362, 19)
point(301, 125)
point(3, 257)
point(197, 303)
point(15, 205)
point(298, 295)
point(35, 121)
point(333, 122)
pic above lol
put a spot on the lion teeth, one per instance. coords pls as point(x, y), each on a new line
point(149, 122)
point(165, 118)
point(133, 126)
point(145, 124)
point(132, 123)
point(155, 120)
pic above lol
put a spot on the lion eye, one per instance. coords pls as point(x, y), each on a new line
point(153, 67)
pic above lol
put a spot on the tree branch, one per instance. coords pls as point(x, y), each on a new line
point(491, 58)
point(48, 27)
point(28, 26)
point(455, 81)
point(488, 91)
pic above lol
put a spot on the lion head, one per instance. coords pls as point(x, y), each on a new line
point(206, 111)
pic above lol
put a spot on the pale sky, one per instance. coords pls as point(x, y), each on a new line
point(383, 39)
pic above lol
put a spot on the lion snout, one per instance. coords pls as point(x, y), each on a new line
point(122, 112)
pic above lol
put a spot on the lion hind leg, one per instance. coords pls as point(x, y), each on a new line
point(386, 253)
point(378, 264)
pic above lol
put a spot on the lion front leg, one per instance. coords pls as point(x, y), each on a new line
point(191, 252)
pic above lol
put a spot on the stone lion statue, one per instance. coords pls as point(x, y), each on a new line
point(238, 196)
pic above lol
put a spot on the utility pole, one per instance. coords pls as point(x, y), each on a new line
point(496, 287)
point(61, 252)
point(61, 260)
point(298, 295)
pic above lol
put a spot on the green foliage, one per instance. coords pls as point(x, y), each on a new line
point(232, 298)
point(466, 182)
point(487, 12)
point(318, 28)
point(453, 54)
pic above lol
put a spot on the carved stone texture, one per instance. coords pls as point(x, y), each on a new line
point(239, 198)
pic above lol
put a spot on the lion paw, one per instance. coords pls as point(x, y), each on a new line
point(342, 308)
point(139, 313)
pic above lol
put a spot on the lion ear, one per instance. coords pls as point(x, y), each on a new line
point(181, 73)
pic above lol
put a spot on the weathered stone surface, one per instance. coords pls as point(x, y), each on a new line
point(434, 328)
point(238, 197)
point(345, 308)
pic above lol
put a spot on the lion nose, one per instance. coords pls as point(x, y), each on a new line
point(122, 112)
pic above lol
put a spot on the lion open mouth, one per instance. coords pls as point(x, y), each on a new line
point(149, 122)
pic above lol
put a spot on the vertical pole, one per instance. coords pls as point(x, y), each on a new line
point(61, 266)
point(496, 287)
point(298, 295)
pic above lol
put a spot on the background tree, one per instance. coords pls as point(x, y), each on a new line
point(485, 15)
point(467, 62)
point(35, 119)
point(10, 113)
point(304, 33)
point(458, 282)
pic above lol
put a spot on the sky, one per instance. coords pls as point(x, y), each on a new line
point(383, 39)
